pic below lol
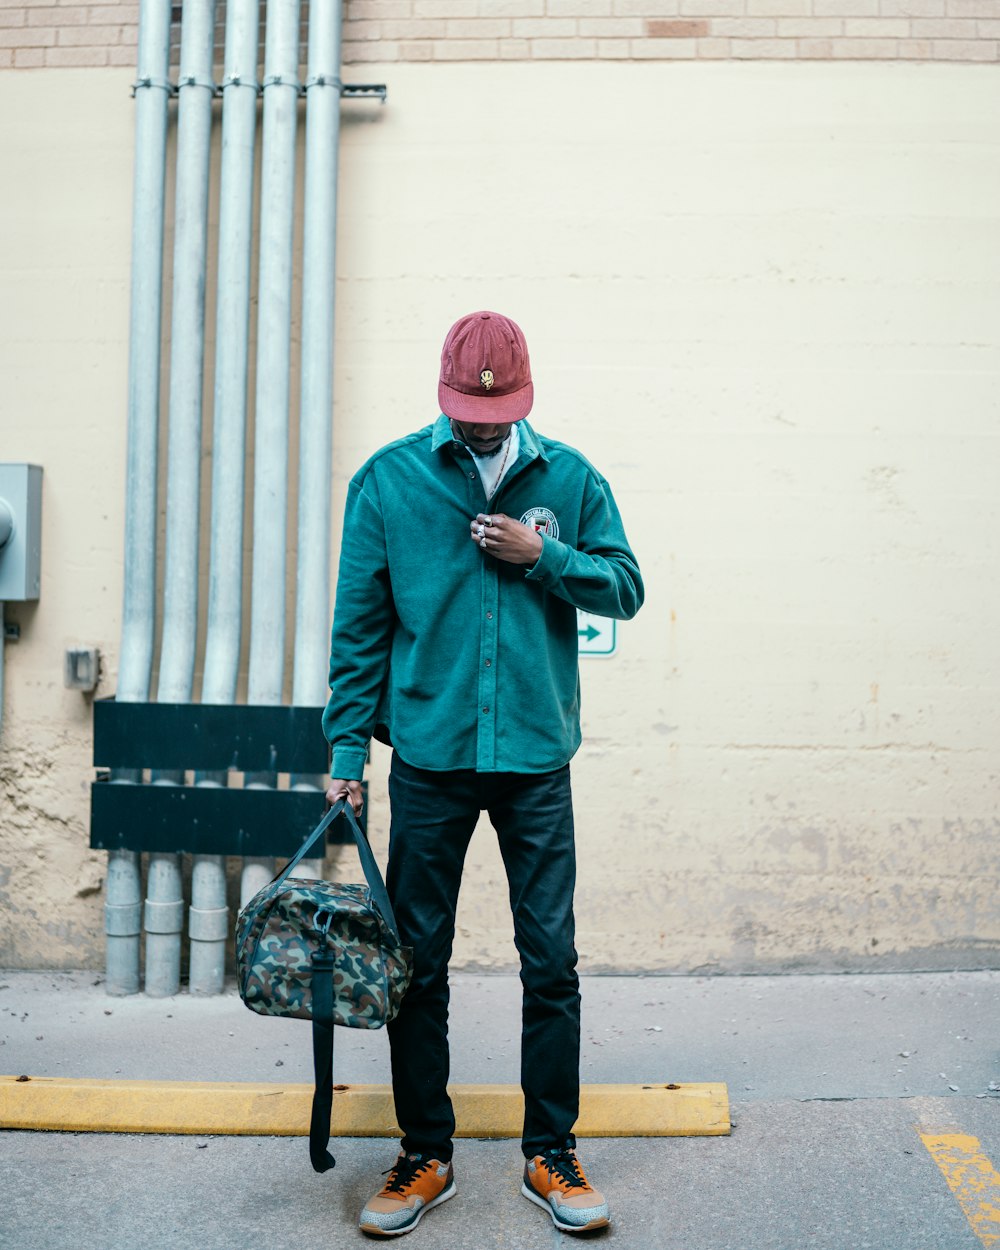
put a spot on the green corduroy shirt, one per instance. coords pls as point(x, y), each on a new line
point(459, 659)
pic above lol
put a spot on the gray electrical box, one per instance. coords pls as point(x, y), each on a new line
point(20, 532)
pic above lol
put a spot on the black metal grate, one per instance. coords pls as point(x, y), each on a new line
point(198, 737)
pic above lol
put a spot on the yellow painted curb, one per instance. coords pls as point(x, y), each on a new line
point(972, 1178)
point(242, 1108)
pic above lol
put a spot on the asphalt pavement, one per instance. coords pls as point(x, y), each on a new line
point(853, 1099)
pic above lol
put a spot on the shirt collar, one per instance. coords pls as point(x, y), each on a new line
point(530, 446)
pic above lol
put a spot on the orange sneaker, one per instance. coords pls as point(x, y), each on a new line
point(415, 1184)
point(555, 1181)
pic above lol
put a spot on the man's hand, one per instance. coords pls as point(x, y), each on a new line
point(339, 788)
point(507, 539)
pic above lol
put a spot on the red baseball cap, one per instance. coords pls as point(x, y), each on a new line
point(485, 371)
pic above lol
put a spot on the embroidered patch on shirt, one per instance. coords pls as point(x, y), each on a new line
point(542, 521)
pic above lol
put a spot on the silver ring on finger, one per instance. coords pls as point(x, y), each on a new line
point(482, 543)
point(487, 520)
point(480, 532)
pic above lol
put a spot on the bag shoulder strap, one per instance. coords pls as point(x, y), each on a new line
point(322, 1039)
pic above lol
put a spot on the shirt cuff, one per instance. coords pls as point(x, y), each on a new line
point(550, 564)
point(348, 763)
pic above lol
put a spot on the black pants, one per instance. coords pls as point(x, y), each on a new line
point(433, 817)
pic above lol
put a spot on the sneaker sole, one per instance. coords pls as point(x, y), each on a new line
point(374, 1231)
point(602, 1221)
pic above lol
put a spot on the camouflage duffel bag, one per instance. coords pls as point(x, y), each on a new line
point(329, 953)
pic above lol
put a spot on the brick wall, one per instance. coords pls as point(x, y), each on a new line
point(672, 29)
point(68, 34)
point(35, 35)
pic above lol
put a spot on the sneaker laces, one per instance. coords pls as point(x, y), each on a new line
point(404, 1172)
point(564, 1163)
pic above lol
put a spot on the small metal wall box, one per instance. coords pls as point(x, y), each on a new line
point(20, 532)
point(82, 668)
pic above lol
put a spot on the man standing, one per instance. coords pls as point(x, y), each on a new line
point(467, 549)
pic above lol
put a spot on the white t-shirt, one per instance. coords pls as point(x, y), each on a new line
point(493, 469)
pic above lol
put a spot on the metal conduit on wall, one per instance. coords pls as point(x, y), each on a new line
point(270, 504)
point(164, 912)
point(281, 90)
point(208, 922)
point(152, 94)
point(312, 578)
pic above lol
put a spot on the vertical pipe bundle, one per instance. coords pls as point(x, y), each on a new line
point(281, 92)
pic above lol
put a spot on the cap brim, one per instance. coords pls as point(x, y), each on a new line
point(486, 409)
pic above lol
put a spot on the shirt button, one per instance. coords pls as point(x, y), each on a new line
point(489, 616)
point(489, 663)
point(472, 477)
point(486, 709)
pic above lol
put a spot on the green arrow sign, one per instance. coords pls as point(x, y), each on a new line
point(596, 635)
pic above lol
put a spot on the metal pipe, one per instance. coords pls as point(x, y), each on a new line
point(208, 922)
point(208, 925)
point(164, 901)
point(312, 578)
point(267, 611)
point(152, 94)
point(225, 578)
point(163, 919)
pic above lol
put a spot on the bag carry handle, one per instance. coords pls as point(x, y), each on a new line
point(373, 876)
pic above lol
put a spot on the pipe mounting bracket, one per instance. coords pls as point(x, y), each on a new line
point(240, 80)
point(282, 80)
point(323, 80)
point(163, 84)
point(195, 80)
point(363, 91)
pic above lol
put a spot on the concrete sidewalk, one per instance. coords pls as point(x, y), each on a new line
point(831, 1079)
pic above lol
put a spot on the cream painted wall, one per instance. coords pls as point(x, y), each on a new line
point(765, 301)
